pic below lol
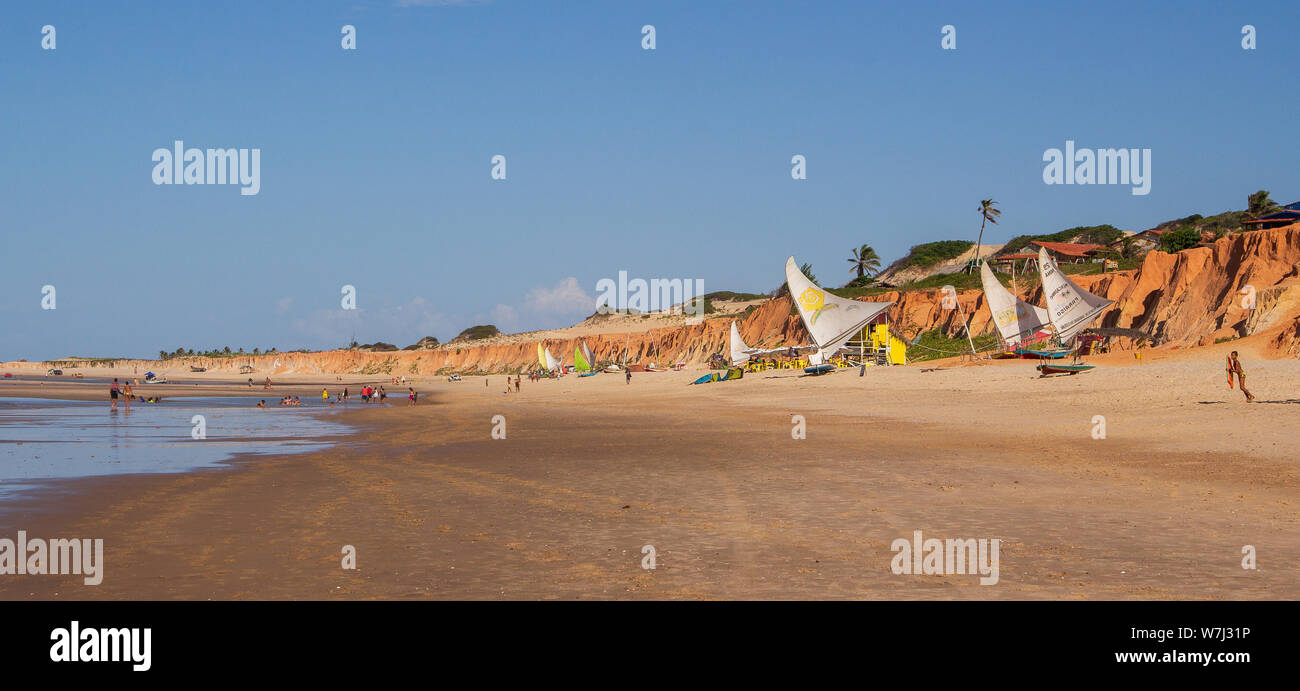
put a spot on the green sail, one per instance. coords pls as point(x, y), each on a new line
point(582, 364)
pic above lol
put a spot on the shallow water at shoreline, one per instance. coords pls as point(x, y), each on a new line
point(46, 439)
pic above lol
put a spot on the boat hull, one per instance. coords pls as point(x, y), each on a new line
point(1046, 369)
point(1042, 354)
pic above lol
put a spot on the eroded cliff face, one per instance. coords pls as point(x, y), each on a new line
point(1191, 298)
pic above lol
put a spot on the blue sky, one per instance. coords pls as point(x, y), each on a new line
point(375, 164)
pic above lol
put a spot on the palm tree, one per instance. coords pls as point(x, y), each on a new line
point(1128, 247)
point(1259, 204)
point(989, 214)
point(865, 261)
point(806, 268)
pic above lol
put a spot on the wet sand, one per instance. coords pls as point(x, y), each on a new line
point(592, 470)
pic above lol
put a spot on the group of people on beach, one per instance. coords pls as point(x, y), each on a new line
point(123, 390)
point(371, 394)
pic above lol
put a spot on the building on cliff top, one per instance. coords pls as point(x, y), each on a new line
point(1283, 217)
point(1069, 252)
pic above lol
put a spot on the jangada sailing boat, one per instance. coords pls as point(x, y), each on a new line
point(1070, 309)
point(739, 351)
point(742, 353)
point(1017, 320)
point(547, 361)
point(831, 321)
point(582, 359)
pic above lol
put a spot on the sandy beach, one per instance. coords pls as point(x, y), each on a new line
point(593, 469)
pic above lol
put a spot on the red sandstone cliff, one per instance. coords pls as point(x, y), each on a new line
point(1185, 299)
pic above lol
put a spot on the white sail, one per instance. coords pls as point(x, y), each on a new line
point(1015, 318)
point(738, 348)
point(830, 320)
point(1069, 307)
point(551, 363)
point(586, 352)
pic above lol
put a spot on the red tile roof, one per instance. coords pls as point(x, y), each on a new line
point(1069, 249)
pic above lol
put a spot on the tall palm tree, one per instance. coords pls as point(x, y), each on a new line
point(1259, 204)
point(865, 261)
point(988, 214)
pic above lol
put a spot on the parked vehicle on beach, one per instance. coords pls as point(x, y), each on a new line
point(55, 372)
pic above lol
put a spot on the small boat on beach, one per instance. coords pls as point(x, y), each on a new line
point(1048, 368)
point(1043, 354)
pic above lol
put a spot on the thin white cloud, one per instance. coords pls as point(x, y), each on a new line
point(565, 299)
point(505, 317)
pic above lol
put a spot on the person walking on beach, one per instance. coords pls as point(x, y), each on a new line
point(516, 383)
point(324, 394)
point(1234, 366)
point(412, 396)
point(112, 393)
point(629, 376)
point(126, 390)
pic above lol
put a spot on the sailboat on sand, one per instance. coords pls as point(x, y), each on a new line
point(582, 360)
point(547, 361)
point(831, 321)
point(1070, 309)
point(1017, 321)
